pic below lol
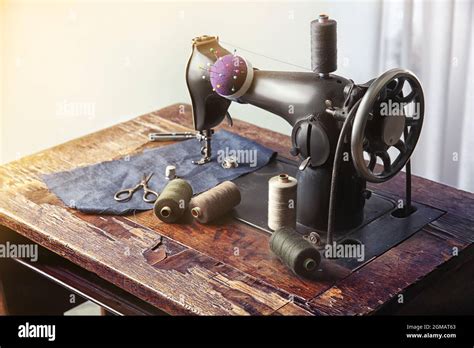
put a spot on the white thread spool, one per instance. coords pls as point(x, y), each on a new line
point(282, 202)
point(170, 172)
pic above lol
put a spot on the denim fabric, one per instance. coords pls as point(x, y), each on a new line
point(91, 189)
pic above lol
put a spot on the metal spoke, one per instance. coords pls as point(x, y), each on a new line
point(410, 121)
point(409, 98)
point(372, 162)
point(398, 88)
point(400, 146)
point(387, 162)
point(382, 95)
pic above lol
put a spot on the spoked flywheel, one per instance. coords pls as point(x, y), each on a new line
point(390, 114)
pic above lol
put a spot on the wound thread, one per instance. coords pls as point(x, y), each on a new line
point(215, 202)
point(323, 45)
point(295, 252)
point(282, 202)
point(173, 200)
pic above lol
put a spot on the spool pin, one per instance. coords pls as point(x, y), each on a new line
point(216, 202)
point(323, 45)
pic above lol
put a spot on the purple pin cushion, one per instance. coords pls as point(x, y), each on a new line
point(231, 76)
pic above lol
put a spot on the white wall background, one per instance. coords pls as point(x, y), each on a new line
point(73, 67)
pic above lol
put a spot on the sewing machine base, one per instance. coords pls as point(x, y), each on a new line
point(380, 230)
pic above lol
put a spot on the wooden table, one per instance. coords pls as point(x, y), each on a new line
point(223, 269)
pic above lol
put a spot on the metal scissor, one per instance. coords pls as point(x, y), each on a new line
point(126, 194)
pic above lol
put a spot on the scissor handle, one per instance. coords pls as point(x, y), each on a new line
point(124, 195)
point(149, 196)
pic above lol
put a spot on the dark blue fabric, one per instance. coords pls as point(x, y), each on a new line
point(91, 189)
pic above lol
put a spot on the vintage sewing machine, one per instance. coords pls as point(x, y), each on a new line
point(340, 131)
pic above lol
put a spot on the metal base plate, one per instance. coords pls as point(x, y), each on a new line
point(380, 231)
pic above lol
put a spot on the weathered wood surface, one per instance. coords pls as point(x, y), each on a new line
point(225, 268)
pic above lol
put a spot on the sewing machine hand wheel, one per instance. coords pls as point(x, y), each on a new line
point(382, 120)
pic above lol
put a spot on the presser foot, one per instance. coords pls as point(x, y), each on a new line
point(205, 139)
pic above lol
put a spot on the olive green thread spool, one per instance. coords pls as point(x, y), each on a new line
point(216, 202)
point(282, 202)
point(173, 200)
point(295, 252)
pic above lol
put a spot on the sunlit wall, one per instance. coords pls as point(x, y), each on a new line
point(72, 67)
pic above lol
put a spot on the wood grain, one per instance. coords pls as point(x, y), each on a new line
point(221, 269)
point(387, 276)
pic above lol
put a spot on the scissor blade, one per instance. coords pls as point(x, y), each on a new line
point(148, 178)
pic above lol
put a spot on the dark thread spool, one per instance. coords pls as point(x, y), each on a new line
point(216, 202)
point(295, 252)
point(323, 45)
point(173, 200)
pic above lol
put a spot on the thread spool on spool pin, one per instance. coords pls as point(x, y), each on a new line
point(216, 202)
point(295, 252)
point(173, 200)
point(323, 45)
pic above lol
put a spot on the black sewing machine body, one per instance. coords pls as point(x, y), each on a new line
point(321, 107)
point(299, 98)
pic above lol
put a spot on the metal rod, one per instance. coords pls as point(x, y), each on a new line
point(171, 136)
point(408, 188)
point(407, 179)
